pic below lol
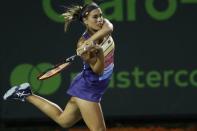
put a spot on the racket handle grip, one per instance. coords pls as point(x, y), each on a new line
point(70, 59)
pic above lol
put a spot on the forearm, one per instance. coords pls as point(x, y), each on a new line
point(106, 29)
point(98, 66)
point(100, 34)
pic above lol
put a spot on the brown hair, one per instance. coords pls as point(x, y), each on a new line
point(77, 13)
point(71, 14)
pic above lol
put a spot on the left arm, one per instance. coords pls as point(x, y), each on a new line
point(97, 63)
point(106, 29)
point(95, 58)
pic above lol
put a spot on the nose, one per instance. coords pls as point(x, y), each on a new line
point(99, 20)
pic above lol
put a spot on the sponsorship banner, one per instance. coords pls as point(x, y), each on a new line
point(155, 74)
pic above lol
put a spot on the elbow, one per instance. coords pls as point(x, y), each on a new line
point(110, 28)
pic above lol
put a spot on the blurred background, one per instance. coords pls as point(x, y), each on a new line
point(154, 83)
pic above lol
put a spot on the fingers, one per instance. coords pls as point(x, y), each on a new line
point(89, 46)
point(80, 51)
point(88, 43)
point(85, 46)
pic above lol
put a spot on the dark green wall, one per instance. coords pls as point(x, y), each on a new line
point(155, 59)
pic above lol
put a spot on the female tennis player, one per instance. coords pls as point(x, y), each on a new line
point(89, 85)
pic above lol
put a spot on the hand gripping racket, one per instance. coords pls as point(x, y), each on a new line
point(60, 66)
point(107, 46)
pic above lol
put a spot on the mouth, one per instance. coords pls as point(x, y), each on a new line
point(100, 24)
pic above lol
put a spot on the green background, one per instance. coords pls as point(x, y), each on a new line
point(155, 57)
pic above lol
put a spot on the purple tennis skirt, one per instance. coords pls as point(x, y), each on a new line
point(86, 85)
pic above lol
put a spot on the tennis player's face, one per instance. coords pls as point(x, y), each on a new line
point(94, 20)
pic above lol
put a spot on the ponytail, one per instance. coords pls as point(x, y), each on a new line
point(72, 13)
point(77, 13)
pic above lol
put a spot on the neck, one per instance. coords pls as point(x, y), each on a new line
point(91, 32)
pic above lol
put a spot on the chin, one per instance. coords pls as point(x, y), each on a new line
point(96, 29)
point(99, 27)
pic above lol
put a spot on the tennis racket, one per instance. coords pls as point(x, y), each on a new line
point(57, 68)
point(61, 66)
point(107, 46)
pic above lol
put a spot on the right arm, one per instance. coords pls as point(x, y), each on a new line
point(106, 30)
point(97, 62)
point(94, 56)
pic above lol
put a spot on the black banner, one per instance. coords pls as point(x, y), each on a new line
point(155, 67)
